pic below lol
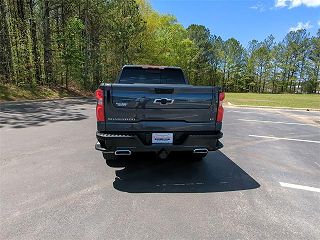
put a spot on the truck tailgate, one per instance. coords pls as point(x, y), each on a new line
point(155, 102)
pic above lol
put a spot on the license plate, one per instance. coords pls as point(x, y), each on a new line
point(162, 137)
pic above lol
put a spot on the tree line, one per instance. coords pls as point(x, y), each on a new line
point(63, 43)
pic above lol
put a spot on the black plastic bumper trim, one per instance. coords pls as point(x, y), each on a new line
point(112, 142)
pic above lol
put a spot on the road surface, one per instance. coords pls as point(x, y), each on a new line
point(264, 184)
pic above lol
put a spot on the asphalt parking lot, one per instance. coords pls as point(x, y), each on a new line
point(264, 183)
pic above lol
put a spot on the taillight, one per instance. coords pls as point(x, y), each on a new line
point(100, 106)
point(220, 108)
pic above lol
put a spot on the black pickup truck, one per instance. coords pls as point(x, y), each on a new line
point(154, 109)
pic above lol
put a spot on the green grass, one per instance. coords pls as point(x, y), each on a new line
point(9, 92)
point(275, 100)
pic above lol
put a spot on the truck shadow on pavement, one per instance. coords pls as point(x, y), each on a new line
point(23, 115)
point(216, 173)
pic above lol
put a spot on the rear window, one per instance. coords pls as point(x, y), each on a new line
point(133, 75)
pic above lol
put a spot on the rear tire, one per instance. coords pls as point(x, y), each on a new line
point(115, 161)
point(191, 156)
point(109, 156)
point(198, 157)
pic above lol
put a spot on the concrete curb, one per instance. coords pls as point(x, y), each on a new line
point(270, 107)
point(43, 100)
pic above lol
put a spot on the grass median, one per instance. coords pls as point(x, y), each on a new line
point(275, 100)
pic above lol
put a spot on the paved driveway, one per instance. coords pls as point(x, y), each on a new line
point(264, 184)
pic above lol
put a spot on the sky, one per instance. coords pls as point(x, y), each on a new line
point(245, 20)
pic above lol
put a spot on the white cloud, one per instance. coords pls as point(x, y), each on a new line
point(259, 7)
point(300, 26)
point(296, 3)
point(280, 3)
point(319, 22)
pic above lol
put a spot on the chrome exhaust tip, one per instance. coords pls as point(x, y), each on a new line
point(122, 153)
point(200, 151)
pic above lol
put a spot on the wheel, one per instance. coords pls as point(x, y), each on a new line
point(113, 160)
point(198, 156)
point(109, 156)
point(191, 156)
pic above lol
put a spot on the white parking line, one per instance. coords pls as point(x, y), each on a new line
point(263, 121)
point(317, 164)
point(307, 188)
point(288, 139)
point(245, 112)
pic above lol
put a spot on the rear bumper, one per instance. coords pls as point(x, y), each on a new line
point(142, 142)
